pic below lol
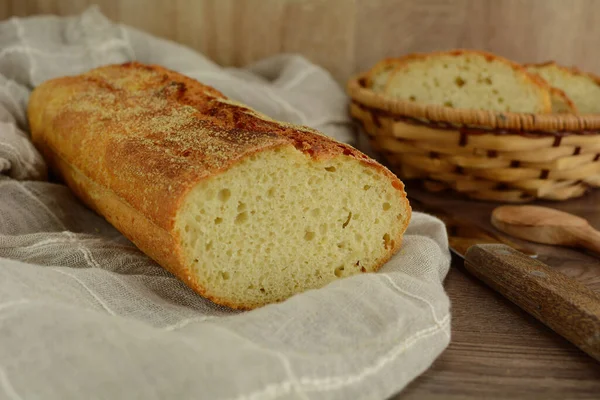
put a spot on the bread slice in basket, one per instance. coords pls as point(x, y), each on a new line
point(561, 103)
point(582, 88)
point(378, 76)
point(243, 209)
point(465, 79)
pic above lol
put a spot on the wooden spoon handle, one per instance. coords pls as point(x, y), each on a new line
point(563, 304)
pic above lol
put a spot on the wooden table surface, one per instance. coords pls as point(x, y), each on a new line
point(499, 351)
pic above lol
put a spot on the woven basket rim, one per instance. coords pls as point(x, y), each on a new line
point(492, 120)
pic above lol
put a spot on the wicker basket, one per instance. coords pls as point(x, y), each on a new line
point(487, 155)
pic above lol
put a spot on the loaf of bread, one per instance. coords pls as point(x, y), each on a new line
point(462, 79)
point(582, 88)
point(243, 209)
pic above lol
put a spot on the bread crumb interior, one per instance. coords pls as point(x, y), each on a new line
point(279, 222)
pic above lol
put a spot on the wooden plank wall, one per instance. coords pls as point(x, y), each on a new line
point(346, 36)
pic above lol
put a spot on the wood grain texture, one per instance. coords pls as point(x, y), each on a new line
point(348, 36)
point(563, 304)
point(497, 349)
point(500, 352)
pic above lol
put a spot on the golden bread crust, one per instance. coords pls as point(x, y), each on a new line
point(132, 140)
point(152, 117)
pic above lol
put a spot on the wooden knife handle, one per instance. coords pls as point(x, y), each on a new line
point(563, 304)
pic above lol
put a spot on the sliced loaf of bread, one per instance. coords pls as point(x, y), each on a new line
point(582, 88)
point(245, 210)
point(464, 79)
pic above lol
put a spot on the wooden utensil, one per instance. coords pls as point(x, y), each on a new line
point(546, 225)
point(563, 304)
point(563, 292)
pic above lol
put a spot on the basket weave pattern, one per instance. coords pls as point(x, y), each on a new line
point(486, 155)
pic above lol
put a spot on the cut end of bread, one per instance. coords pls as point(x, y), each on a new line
point(279, 223)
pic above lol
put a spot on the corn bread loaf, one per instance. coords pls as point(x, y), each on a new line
point(244, 210)
point(582, 88)
point(466, 79)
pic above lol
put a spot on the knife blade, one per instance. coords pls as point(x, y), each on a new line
point(563, 304)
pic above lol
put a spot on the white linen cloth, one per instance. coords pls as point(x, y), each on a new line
point(85, 315)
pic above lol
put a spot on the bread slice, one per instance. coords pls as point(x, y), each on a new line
point(243, 209)
point(561, 103)
point(378, 76)
point(582, 88)
point(468, 79)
